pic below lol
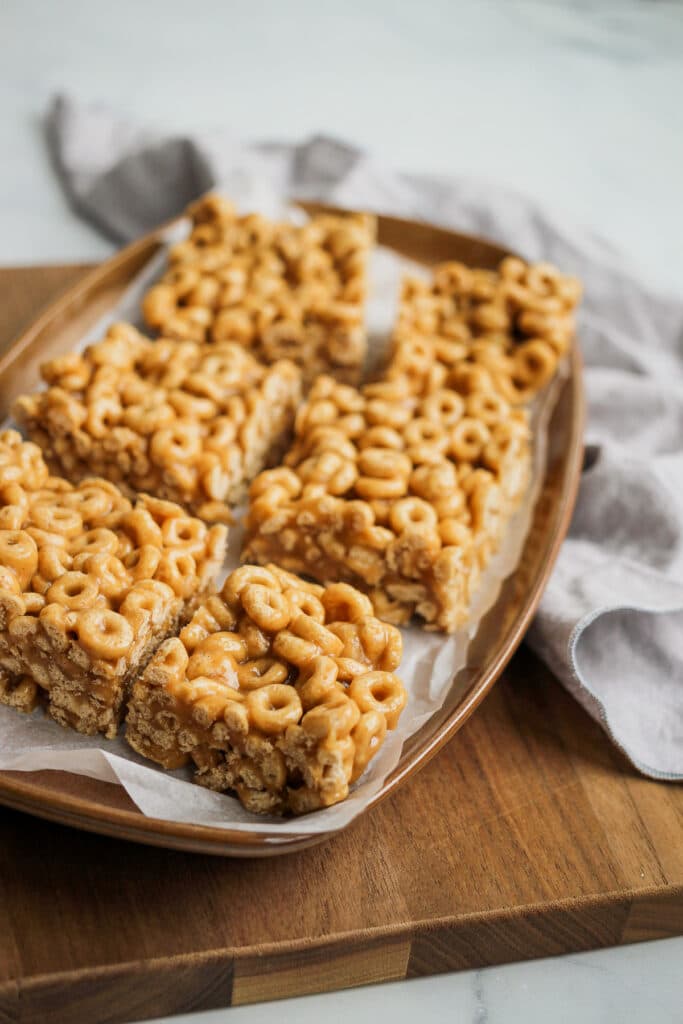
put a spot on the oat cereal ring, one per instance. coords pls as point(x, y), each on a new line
point(54, 519)
point(381, 642)
point(142, 527)
point(268, 608)
point(290, 580)
point(143, 562)
point(513, 391)
point(90, 500)
point(53, 562)
point(317, 684)
point(146, 419)
point(104, 634)
point(178, 569)
point(181, 442)
point(490, 317)
point(468, 378)
point(534, 363)
point(434, 481)
point(379, 691)
point(512, 268)
point(257, 642)
point(273, 707)
point(380, 437)
point(140, 603)
point(488, 407)
point(110, 573)
point(318, 412)
point(74, 590)
point(183, 532)
point(374, 488)
point(337, 473)
point(412, 514)
point(221, 433)
point(454, 531)
point(468, 438)
point(92, 542)
point(241, 578)
point(348, 668)
point(19, 552)
point(453, 278)
point(346, 604)
point(44, 539)
point(266, 505)
point(306, 628)
point(368, 736)
point(208, 698)
point(331, 720)
point(304, 601)
point(329, 439)
point(294, 650)
point(384, 463)
point(445, 407)
point(425, 431)
point(103, 414)
point(218, 654)
point(261, 672)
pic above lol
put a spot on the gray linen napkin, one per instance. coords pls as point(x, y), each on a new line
point(610, 624)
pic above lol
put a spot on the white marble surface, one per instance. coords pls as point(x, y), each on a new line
point(577, 103)
point(635, 984)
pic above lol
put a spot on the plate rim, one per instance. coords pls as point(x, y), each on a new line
point(132, 825)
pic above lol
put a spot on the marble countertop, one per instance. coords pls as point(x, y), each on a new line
point(576, 103)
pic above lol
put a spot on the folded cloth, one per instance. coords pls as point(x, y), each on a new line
point(610, 624)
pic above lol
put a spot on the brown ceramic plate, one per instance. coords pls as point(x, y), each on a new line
point(101, 807)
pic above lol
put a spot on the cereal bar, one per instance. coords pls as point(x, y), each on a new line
point(90, 584)
point(401, 495)
point(278, 690)
point(480, 330)
point(186, 422)
point(280, 289)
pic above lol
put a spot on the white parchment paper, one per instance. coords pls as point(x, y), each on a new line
point(430, 661)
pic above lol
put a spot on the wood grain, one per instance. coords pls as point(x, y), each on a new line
point(528, 835)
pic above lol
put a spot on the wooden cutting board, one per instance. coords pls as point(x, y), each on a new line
point(527, 836)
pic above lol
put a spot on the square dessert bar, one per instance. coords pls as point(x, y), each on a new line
point(278, 690)
point(90, 584)
point(481, 330)
point(402, 496)
point(282, 290)
point(185, 422)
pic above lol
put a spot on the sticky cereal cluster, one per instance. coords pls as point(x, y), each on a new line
point(87, 580)
point(179, 420)
point(282, 290)
point(278, 689)
point(402, 495)
point(394, 496)
point(480, 330)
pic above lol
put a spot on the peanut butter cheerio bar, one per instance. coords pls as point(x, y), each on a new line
point(90, 584)
point(480, 330)
point(403, 496)
point(278, 690)
point(282, 290)
point(185, 422)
